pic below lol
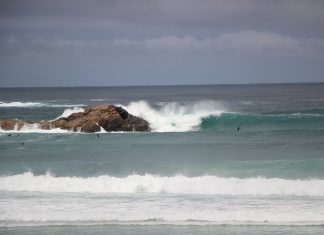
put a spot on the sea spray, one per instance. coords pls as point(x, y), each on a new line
point(175, 117)
point(69, 111)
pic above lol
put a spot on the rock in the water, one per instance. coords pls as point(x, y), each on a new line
point(122, 112)
point(109, 117)
point(12, 124)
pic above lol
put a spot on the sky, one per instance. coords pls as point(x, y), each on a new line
point(160, 42)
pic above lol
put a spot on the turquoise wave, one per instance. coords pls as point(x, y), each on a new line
point(265, 121)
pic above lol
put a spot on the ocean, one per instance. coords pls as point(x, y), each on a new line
point(220, 159)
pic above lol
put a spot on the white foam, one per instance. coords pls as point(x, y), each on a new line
point(167, 117)
point(35, 104)
point(20, 104)
point(206, 185)
point(201, 207)
point(69, 111)
point(174, 117)
point(34, 128)
point(64, 105)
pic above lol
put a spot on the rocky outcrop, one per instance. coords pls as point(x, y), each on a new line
point(11, 124)
point(108, 117)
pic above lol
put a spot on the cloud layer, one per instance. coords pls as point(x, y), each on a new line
point(160, 41)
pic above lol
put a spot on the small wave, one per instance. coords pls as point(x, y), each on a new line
point(19, 104)
point(206, 185)
point(103, 99)
point(175, 117)
point(157, 221)
point(34, 128)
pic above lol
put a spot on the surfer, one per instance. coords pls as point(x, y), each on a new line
point(20, 141)
point(238, 128)
point(98, 135)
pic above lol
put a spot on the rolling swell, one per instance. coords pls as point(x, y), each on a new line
point(265, 121)
point(212, 115)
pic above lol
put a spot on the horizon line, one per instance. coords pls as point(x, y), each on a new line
point(166, 85)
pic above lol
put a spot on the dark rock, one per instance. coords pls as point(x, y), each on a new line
point(122, 112)
point(90, 127)
point(109, 117)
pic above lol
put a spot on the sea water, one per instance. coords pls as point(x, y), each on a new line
point(226, 159)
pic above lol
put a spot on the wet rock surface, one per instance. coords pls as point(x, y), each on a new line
point(108, 117)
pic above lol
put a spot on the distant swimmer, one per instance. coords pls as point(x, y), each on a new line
point(19, 139)
point(98, 135)
point(238, 128)
point(9, 134)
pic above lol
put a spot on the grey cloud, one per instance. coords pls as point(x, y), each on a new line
point(243, 41)
point(296, 16)
point(127, 42)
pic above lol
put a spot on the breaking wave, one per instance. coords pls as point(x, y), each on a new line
point(69, 111)
point(205, 185)
point(34, 128)
point(175, 117)
point(212, 115)
point(194, 116)
point(19, 104)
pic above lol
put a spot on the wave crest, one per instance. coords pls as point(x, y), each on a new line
point(69, 111)
point(206, 185)
point(175, 117)
point(18, 104)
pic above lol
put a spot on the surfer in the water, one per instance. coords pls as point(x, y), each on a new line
point(238, 128)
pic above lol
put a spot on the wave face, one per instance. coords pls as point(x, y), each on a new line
point(174, 117)
point(212, 115)
point(260, 122)
point(206, 185)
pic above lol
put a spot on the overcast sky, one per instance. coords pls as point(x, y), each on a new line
point(160, 42)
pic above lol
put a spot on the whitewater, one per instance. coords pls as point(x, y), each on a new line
point(248, 157)
point(191, 116)
point(204, 185)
